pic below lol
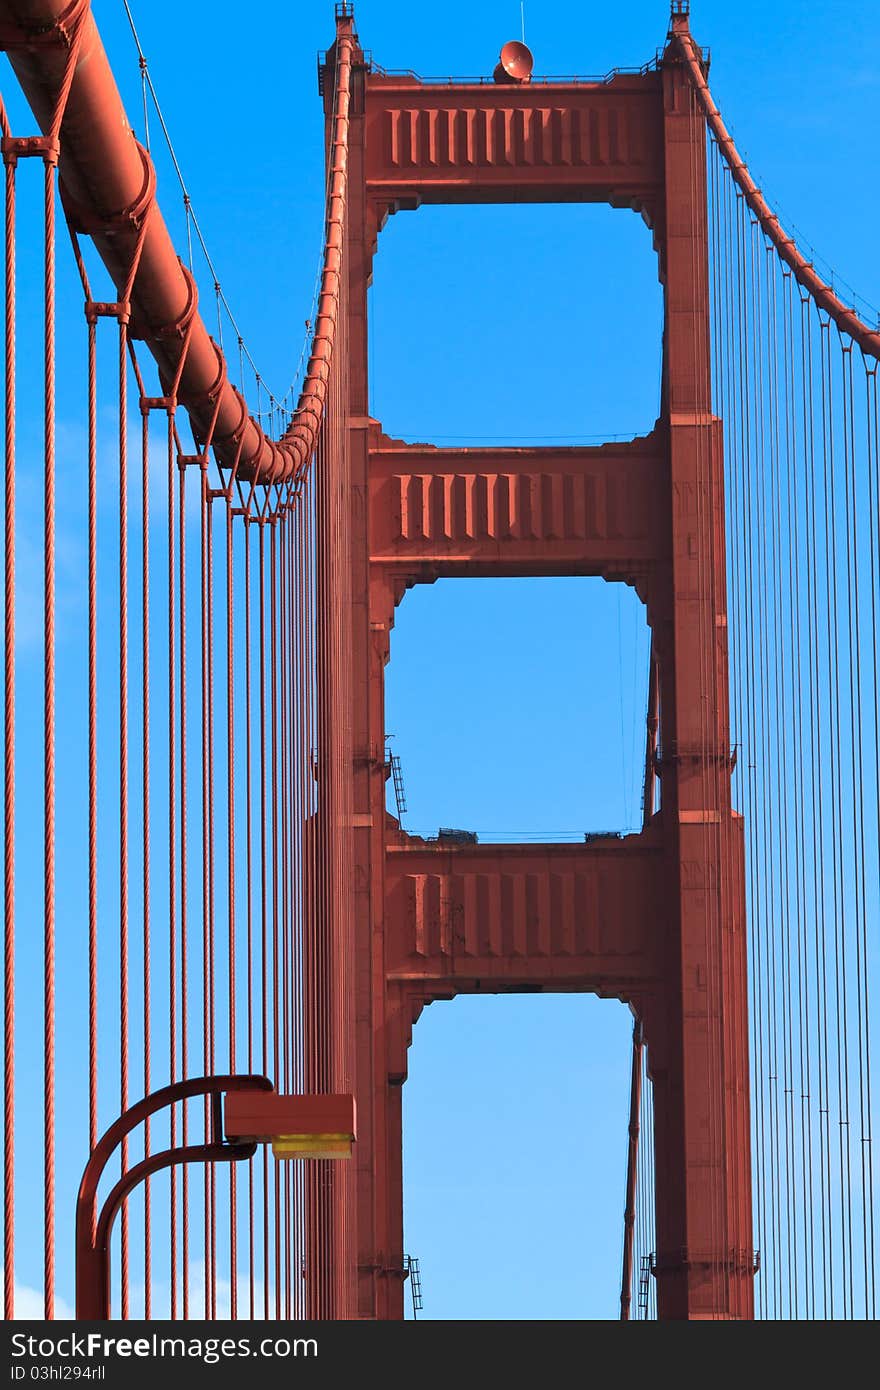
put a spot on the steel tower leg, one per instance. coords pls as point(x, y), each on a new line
point(698, 1043)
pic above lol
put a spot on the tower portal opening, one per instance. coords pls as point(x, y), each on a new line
point(514, 1156)
point(517, 707)
point(556, 310)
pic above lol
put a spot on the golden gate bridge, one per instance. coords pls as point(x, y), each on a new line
point(221, 959)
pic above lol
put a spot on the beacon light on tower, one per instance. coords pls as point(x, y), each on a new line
point(296, 1126)
point(514, 64)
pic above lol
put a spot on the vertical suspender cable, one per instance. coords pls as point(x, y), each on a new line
point(49, 746)
point(632, 1157)
point(184, 885)
point(230, 905)
point(264, 944)
point(9, 749)
point(172, 848)
point(145, 777)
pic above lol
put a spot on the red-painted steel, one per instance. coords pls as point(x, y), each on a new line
point(445, 512)
point(311, 950)
point(108, 192)
point(846, 318)
point(93, 1230)
point(632, 1160)
point(109, 187)
point(483, 918)
point(9, 750)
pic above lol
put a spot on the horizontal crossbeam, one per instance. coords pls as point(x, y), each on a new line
point(536, 511)
point(498, 918)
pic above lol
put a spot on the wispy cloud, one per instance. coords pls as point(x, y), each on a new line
point(29, 1301)
point(29, 1305)
point(161, 1297)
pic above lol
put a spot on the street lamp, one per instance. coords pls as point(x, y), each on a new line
point(295, 1126)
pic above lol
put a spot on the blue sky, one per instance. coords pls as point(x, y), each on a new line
point(516, 706)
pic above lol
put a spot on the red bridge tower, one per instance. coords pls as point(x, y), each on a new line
point(656, 919)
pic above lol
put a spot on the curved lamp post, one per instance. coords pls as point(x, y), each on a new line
point(296, 1126)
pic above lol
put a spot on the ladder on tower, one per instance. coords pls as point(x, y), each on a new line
point(411, 1268)
point(647, 1267)
point(392, 764)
